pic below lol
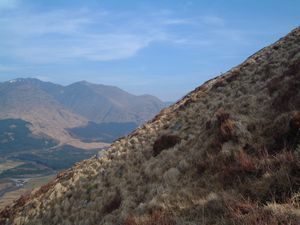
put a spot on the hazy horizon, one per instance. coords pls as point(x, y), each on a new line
point(164, 48)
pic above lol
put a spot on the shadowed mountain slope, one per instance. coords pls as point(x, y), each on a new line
point(227, 153)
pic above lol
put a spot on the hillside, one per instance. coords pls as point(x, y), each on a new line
point(227, 153)
point(101, 103)
point(15, 136)
point(103, 132)
point(24, 99)
point(54, 109)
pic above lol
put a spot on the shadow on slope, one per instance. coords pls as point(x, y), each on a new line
point(103, 132)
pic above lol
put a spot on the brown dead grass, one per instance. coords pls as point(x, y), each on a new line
point(287, 97)
point(260, 178)
point(226, 127)
point(155, 218)
point(246, 212)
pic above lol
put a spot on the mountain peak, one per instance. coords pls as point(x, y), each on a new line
point(82, 82)
point(30, 81)
point(90, 84)
point(24, 80)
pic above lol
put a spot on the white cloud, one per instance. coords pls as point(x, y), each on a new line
point(55, 36)
point(59, 35)
point(97, 47)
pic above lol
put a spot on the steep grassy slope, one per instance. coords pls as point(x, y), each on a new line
point(227, 153)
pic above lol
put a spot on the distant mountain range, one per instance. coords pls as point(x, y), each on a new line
point(53, 110)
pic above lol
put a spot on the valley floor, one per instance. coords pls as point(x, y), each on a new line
point(12, 189)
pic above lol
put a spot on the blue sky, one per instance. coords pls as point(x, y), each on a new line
point(160, 47)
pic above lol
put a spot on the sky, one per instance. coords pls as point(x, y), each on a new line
point(161, 47)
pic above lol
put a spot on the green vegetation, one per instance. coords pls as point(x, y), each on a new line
point(15, 136)
point(41, 157)
point(57, 159)
point(26, 170)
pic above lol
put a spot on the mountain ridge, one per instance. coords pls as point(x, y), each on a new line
point(53, 108)
point(126, 107)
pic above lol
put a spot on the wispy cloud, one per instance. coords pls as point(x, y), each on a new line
point(102, 47)
point(42, 37)
point(59, 35)
point(174, 21)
